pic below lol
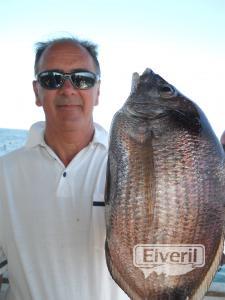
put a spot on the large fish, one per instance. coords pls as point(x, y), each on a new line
point(164, 195)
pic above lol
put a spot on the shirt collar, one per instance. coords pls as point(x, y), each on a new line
point(36, 135)
point(100, 136)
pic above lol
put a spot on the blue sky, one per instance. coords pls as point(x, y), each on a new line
point(183, 41)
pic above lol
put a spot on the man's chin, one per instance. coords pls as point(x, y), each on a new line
point(75, 123)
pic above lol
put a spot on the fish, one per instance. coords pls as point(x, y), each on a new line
point(164, 194)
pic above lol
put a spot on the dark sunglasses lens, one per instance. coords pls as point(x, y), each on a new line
point(51, 80)
point(83, 81)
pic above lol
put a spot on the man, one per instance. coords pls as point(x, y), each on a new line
point(52, 225)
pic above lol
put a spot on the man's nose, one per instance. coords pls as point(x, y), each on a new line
point(68, 87)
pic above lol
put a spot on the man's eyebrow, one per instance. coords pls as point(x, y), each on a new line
point(80, 70)
point(71, 71)
point(51, 70)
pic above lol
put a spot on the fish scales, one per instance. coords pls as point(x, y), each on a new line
point(165, 180)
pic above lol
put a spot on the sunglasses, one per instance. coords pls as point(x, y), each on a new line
point(81, 80)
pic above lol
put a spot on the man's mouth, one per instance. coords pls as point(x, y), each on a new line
point(69, 106)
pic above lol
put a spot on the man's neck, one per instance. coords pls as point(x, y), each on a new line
point(66, 144)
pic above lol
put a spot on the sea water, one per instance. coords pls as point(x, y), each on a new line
point(11, 139)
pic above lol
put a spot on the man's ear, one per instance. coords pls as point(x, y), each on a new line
point(97, 95)
point(35, 89)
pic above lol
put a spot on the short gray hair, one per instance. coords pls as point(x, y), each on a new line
point(88, 45)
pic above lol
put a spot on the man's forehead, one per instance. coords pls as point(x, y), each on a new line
point(63, 48)
point(65, 53)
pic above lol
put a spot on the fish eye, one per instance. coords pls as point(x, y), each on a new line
point(166, 91)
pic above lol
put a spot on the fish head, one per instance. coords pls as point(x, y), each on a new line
point(153, 97)
point(155, 103)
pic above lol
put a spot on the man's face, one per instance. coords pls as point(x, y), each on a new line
point(66, 108)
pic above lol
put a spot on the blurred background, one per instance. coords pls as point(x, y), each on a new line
point(183, 41)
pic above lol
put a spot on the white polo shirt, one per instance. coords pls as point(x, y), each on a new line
point(52, 223)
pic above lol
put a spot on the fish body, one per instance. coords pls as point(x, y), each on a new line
point(164, 195)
